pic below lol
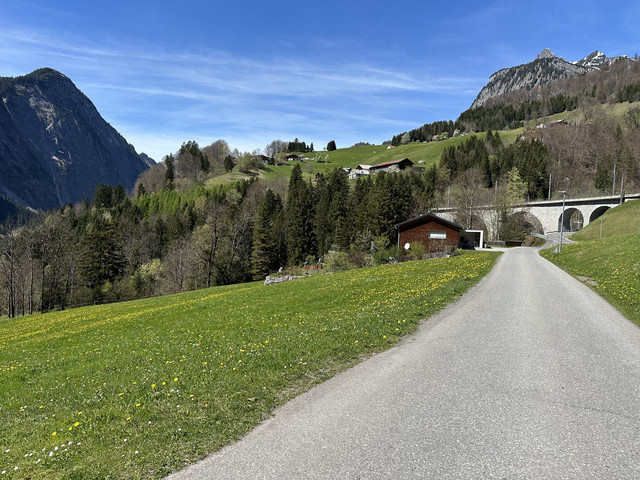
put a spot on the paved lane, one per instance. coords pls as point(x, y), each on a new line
point(530, 375)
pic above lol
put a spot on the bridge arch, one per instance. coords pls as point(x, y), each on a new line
point(529, 222)
point(598, 212)
point(573, 220)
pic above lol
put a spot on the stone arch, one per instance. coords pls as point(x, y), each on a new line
point(478, 223)
point(573, 220)
point(598, 212)
point(529, 221)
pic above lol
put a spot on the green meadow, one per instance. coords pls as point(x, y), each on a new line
point(141, 389)
point(421, 154)
point(611, 264)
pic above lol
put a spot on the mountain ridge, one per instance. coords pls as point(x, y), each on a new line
point(55, 147)
point(547, 67)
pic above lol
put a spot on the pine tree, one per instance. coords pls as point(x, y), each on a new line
point(265, 256)
point(322, 221)
point(299, 218)
point(331, 146)
point(169, 174)
point(101, 257)
point(338, 185)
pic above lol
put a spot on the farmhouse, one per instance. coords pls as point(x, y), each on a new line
point(392, 165)
point(360, 171)
point(435, 233)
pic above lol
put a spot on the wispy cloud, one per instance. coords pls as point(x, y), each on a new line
point(154, 95)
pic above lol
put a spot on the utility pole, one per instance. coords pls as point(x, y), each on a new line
point(622, 188)
point(613, 190)
point(549, 187)
point(564, 194)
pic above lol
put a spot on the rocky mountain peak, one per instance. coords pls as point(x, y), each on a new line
point(54, 146)
point(546, 53)
point(546, 68)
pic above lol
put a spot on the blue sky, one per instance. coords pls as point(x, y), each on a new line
point(164, 72)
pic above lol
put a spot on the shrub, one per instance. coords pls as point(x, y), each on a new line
point(385, 256)
point(335, 261)
point(417, 251)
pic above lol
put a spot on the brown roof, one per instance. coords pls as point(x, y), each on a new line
point(429, 217)
point(391, 162)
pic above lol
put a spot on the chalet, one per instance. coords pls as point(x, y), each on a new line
point(392, 165)
point(359, 171)
point(435, 233)
point(291, 157)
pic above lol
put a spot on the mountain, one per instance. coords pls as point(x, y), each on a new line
point(596, 60)
point(55, 148)
point(546, 68)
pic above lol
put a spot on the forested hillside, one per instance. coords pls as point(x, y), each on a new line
point(116, 247)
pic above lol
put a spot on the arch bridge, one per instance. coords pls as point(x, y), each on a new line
point(546, 215)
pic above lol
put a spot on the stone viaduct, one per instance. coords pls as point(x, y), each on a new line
point(545, 216)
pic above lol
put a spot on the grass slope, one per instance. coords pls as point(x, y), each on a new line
point(140, 389)
point(422, 154)
point(620, 220)
point(611, 264)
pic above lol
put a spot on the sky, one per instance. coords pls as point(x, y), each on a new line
point(252, 71)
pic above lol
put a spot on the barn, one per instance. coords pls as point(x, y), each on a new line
point(435, 233)
point(401, 164)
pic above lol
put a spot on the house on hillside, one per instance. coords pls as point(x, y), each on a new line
point(435, 233)
point(359, 171)
point(291, 157)
point(392, 165)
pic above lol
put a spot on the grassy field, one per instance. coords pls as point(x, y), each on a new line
point(611, 264)
point(140, 389)
point(422, 154)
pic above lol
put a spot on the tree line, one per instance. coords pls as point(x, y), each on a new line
point(442, 129)
point(494, 160)
point(505, 116)
point(116, 247)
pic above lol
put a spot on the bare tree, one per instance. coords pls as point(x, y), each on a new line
point(152, 179)
point(207, 239)
point(276, 147)
point(176, 267)
point(216, 154)
point(466, 196)
point(9, 259)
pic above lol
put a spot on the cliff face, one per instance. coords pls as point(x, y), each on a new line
point(54, 146)
point(546, 68)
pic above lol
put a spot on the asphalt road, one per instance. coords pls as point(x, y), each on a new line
point(530, 376)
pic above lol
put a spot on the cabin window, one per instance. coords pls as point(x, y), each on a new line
point(438, 235)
